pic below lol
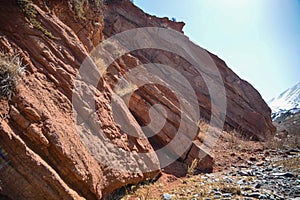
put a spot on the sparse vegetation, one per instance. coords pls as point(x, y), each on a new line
point(292, 141)
point(291, 164)
point(273, 143)
point(11, 71)
point(203, 127)
point(235, 138)
point(194, 187)
point(28, 9)
point(191, 169)
point(233, 142)
point(133, 190)
point(79, 7)
point(205, 186)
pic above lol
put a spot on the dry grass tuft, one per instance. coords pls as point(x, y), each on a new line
point(192, 168)
point(11, 71)
point(291, 164)
point(79, 7)
point(234, 140)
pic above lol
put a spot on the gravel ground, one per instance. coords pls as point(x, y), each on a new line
point(272, 174)
point(276, 177)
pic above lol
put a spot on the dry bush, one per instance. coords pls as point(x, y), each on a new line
point(192, 168)
point(234, 140)
point(79, 7)
point(203, 128)
point(11, 71)
point(31, 14)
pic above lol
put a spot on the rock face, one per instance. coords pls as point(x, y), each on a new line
point(42, 154)
point(246, 110)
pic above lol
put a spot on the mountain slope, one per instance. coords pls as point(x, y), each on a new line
point(286, 103)
point(45, 154)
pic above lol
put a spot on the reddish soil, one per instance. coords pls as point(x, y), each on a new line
point(230, 152)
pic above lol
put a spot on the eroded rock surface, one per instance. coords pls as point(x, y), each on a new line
point(45, 156)
point(246, 110)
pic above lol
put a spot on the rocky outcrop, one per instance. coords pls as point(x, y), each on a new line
point(246, 110)
point(45, 156)
point(46, 159)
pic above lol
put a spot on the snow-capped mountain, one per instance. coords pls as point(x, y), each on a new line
point(286, 104)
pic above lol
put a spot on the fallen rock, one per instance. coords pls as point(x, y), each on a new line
point(285, 174)
point(167, 196)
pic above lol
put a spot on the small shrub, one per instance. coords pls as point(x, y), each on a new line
point(79, 7)
point(192, 168)
point(11, 71)
point(30, 12)
point(236, 139)
point(233, 142)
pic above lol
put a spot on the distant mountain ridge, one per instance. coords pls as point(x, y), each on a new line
point(286, 104)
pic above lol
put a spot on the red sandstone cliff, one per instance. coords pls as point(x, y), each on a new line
point(45, 157)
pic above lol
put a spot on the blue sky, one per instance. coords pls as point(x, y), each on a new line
point(258, 39)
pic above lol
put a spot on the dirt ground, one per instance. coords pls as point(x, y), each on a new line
point(230, 152)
